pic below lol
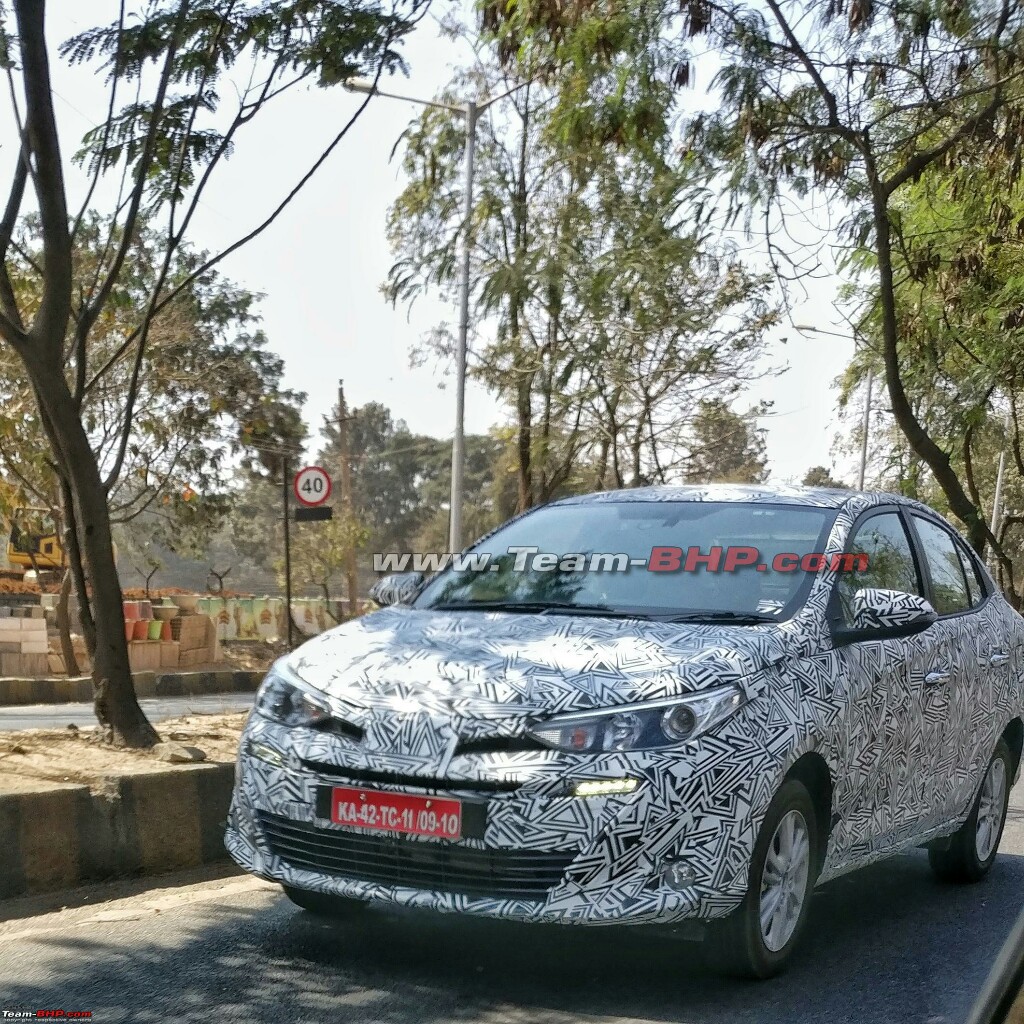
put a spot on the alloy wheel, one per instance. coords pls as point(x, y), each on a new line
point(784, 880)
point(990, 809)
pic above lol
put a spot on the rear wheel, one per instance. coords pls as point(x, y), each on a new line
point(972, 850)
point(323, 904)
point(757, 939)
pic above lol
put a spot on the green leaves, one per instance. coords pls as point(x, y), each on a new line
point(191, 44)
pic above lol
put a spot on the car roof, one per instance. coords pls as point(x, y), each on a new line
point(780, 494)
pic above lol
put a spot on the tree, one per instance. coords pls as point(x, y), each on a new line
point(209, 394)
point(821, 476)
point(320, 551)
point(387, 466)
point(602, 317)
point(726, 447)
point(401, 481)
point(168, 127)
point(851, 103)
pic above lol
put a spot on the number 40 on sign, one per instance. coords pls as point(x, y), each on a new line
point(312, 486)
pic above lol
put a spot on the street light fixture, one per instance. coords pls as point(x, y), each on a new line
point(866, 422)
point(470, 110)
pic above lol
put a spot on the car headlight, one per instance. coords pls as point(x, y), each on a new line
point(285, 699)
point(647, 726)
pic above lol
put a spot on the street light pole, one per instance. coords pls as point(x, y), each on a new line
point(459, 438)
point(470, 111)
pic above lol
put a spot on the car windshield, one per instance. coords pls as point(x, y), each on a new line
point(727, 561)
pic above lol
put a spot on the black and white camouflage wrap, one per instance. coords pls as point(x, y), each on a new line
point(905, 760)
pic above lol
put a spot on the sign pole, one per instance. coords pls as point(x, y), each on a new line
point(285, 479)
point(346, 498)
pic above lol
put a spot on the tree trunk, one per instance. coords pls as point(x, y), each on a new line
point(524, 442)
point(73, 553)
point(121, 719)
point(922, 444)
point(67, 649)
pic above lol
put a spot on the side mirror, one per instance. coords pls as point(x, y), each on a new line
point(884, 615)
point(400, 588)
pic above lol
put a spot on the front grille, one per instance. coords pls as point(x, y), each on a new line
point(429, 782)
point(438, 867)
point(500, 745)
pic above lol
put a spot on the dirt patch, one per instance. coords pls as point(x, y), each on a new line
point(35, 757)
point(250, 655)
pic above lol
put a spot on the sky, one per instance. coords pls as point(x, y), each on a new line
point(321, 264)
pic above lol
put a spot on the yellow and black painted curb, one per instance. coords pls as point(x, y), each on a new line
point(61, 836)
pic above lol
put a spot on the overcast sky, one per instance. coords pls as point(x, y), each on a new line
point(321, 265)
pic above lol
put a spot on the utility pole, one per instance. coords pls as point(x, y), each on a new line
point(346, 498)
point(459, 440)
point(471, 111)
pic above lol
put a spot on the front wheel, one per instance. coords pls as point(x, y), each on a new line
point(972, 850)
point(757, 939)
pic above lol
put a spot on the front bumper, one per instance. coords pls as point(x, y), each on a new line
point(543, 855)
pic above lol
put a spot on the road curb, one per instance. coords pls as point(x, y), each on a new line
point(15, 692)
point(146, 824)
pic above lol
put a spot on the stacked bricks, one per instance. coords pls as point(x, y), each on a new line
point(196, 636)
point(23, 642)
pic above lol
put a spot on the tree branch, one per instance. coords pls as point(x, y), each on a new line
point(51, 320)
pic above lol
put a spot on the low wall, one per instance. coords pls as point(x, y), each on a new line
point(254, 618)
point(61, 690)
point(61, 836)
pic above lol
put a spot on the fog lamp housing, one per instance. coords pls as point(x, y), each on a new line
point(677, 874)
point(267, 754)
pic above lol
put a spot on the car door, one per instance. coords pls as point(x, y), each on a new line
point(975, 660)
point(895, 719)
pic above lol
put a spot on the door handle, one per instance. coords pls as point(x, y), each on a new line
point(999, 658)
point(937, 677)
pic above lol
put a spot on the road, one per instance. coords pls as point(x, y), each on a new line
point(885, 945)
point(157, 709)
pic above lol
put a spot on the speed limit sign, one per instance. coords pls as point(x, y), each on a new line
point(312, 485)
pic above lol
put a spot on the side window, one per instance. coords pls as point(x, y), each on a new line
point(890, 560)
point(975, 587)
point(949, 585)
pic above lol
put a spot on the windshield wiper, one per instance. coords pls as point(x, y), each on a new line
point(537, 607)
point(730, 618)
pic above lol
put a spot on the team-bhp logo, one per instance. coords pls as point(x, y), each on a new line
point(36, 1014)
point(662, 558)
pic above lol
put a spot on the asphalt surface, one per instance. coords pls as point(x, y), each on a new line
point(887, 944)
point(157, 709)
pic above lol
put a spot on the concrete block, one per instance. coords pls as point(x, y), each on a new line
point(34, 663)
point(36, 826)
point(166, 812)
point(145, 683)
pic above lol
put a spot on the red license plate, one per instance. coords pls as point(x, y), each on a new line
point(396, 812)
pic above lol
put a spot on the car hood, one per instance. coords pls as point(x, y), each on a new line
point(479, 664)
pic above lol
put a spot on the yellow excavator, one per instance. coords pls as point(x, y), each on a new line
point(34, 542)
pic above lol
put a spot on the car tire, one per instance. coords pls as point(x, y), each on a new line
point(972, 849)
point(741, 944)
point(323, 904)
